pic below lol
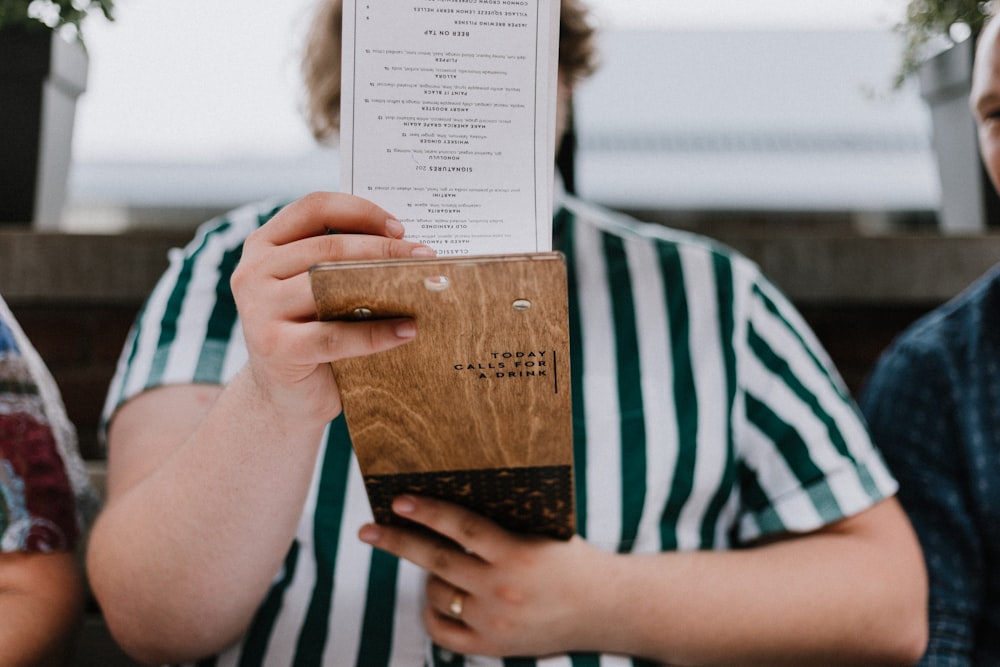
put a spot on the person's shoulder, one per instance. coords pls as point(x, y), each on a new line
point(966, 314)
point(953, 335)
point(247, 217)
point(231, 228)
point(627, 226)
point(630, 228)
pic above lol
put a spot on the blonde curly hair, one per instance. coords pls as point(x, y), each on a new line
point(321, 60)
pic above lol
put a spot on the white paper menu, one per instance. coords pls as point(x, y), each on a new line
point(448, 119)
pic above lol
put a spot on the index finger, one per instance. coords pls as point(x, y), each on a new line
point(321, 212)
point(469, 530)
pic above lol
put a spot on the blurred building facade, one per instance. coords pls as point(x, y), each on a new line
point(674, 122)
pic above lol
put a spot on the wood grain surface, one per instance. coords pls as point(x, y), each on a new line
point(484, 386)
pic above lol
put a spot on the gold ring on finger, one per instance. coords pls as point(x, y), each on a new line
point(455, 607)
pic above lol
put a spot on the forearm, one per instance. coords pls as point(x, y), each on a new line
point(200, 517)
point(852, 593)
point(216, 516)
point(824, 599)
point(41, 601)
point(29, 637)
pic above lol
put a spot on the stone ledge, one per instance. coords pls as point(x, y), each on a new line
point(57, 267)
point(837, 269)
point(871, 270)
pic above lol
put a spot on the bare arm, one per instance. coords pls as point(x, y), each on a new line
point(852, 593)
point(41, 600)
point(206, 484)
point(178, 547)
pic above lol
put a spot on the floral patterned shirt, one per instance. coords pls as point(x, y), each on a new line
point(44, 492)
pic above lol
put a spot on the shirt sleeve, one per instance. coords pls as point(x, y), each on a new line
point(806, 457)
point(188, 330)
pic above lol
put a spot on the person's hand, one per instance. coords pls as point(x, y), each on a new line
point(497, 593)
point(289, 350)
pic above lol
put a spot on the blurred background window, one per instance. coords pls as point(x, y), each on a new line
point(702, 111)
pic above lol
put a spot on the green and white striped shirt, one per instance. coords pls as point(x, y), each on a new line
point(705, 415)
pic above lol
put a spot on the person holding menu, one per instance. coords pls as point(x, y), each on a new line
point(731, 508)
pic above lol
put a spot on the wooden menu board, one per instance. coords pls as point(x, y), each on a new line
point(477, 409)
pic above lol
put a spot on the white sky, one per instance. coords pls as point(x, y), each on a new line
point(790, 14)
point(203, 81)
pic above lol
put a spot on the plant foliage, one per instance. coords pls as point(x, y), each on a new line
point(64, 16)
point(932, 21)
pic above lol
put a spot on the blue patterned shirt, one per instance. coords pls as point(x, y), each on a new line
point(933, 405)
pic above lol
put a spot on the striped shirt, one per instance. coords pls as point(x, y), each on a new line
point(705, 415)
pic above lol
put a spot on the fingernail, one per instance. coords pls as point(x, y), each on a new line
point(404, 505)
point(407, 329)
point(369, 534)
point(423, 251)
point(394, 228)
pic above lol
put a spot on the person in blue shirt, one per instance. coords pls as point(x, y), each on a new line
point(933, 406)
